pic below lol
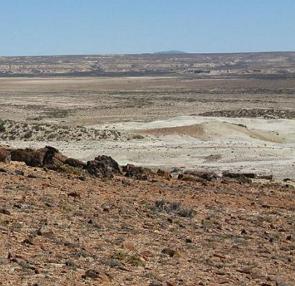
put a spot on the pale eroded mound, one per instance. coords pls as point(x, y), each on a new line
point(215, 130)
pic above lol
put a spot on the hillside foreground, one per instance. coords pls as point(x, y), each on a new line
point(65, 227)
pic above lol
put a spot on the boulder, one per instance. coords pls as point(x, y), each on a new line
point(48, 157)
point(103, 166)
point(53, 159)
point(5, 155)
point(33, 158)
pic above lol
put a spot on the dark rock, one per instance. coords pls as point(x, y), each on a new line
point(74, 195)
point(27, 241)
point(75, 163)
point(70, 264)
point(208, 176)
point(265, 177)
point(240, 177)
point(188, 240)
point(32, 176)
point(19, 172)
point(82, 178)
point(164, 174)
point(33, 158)
point(5, 155)
point(138, 173)
point(48, 157)
point(243, 231)
point(53, 159)
point(103, 166)
point(4, 211)
point(93, 274)
point(168, 251)
point(190, 178)
point(289, 237)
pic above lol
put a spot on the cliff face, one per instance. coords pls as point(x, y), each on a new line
point(200, 229)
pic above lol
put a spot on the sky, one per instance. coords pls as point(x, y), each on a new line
point(59, 27)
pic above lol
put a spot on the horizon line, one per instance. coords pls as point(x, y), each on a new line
point(168, 52)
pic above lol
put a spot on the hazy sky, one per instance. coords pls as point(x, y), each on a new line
point(40, 27)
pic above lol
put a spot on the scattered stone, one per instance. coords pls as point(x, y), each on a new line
point(168, 251)
point(70, 264)
point(19, 172)
point(32, 176)
point(74, 195)
point(28, 241)
point(243, 231)
point(4, 211)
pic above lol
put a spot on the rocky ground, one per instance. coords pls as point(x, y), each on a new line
point(253, 113)
point(138, 227)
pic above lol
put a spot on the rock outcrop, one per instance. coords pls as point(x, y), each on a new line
point(103, 166)
point(48, 157)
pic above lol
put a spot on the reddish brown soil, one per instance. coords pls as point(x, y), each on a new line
point(56, 229)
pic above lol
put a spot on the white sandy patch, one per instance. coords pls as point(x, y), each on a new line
point(229, 147)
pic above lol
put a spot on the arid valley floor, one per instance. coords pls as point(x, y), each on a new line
point(221, 128)
point(167, 122)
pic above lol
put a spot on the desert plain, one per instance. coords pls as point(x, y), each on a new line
point(199, 188)
point(168, 122)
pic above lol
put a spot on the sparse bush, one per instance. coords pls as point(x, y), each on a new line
point(28, 134)
point(174, 207)
point(131, 259)
point(2, 126)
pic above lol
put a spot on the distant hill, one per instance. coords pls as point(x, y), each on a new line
point(169, 52)
point(254, 65)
